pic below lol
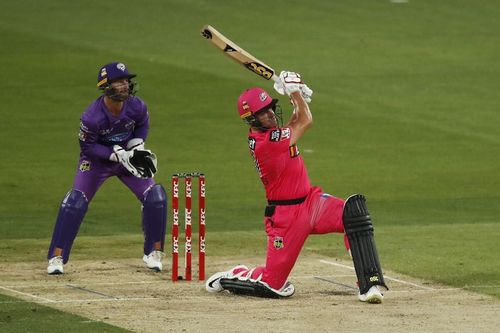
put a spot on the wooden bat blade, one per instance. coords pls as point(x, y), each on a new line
point(237, 53)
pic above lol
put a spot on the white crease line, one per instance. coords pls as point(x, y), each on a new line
point(59, 285)
point(107, 300)
point(26, 294)
point(385, 276)
point(325, 276)
point(90, 300)
point(425, 291)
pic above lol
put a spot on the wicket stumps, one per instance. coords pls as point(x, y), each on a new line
point(188, 177)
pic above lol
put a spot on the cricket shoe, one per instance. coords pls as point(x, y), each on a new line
point(153, 260)
point(287, 290)
point(213, 283)
point(55, 266)
point(373, 295)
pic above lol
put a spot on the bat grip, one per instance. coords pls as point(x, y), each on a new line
point(276, 78)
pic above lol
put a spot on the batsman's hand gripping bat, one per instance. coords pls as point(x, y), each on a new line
point(236, 53)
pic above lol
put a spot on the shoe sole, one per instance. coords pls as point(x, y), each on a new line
point(56, 272)
point(373, 299)
point(155, 269)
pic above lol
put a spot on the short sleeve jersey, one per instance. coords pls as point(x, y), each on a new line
point(100, 130)
point(280, 167)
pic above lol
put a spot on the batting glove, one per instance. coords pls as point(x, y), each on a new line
point(291, 82)
point(306, 93)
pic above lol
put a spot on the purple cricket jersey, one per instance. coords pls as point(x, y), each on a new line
point(100, 130)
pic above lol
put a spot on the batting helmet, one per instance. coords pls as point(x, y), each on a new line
point(254, 100)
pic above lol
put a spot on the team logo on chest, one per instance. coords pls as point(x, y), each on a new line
point(279, 134)
point(275, 135)
point(130, 125)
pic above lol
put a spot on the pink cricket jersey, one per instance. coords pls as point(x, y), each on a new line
point(280, 168)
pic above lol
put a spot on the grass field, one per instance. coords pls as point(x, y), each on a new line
point(405, 105)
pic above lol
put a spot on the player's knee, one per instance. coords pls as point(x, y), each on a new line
point(155, 196)
point(356, 216)
point(75, 199)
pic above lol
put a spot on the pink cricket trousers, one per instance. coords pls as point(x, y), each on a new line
point(288, 228)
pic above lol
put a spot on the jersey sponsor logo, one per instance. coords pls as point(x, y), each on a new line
point(275, 135)
point(105, 131)
point(294, 151)
point(285, 133)
point(278, 243)
point(251, 143)
point(84, 166)
point(82, 135)
point(117, 137)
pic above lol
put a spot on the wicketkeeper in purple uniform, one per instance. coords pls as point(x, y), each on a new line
point(113, 130)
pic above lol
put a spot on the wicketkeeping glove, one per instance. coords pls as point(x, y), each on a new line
point(145, 161)
point(140, 163)
point(291, 82)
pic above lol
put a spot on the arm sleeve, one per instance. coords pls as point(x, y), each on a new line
point(142, 128)
point(88, 142)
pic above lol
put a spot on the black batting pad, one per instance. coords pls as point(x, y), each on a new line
point(359, 229)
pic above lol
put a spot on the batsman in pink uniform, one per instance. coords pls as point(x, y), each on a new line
point(295, 209)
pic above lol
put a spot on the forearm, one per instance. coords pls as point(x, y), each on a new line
point(96, 150)
point(302, 114)
point(301, 119)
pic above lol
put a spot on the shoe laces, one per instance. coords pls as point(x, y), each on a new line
point(58, 260)
point(156, 255)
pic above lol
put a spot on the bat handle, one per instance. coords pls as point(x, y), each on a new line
point(276, 78)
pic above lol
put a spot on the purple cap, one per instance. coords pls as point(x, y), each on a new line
point(111, 72)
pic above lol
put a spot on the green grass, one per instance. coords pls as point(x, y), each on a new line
point(405, 106)
point(17, 316)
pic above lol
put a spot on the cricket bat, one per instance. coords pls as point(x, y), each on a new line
point(236, 53)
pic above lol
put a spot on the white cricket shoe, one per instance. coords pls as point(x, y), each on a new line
point(286, 291)
point(213, 283)
point(373, 295)
point(153, 260)
point(55, 266)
